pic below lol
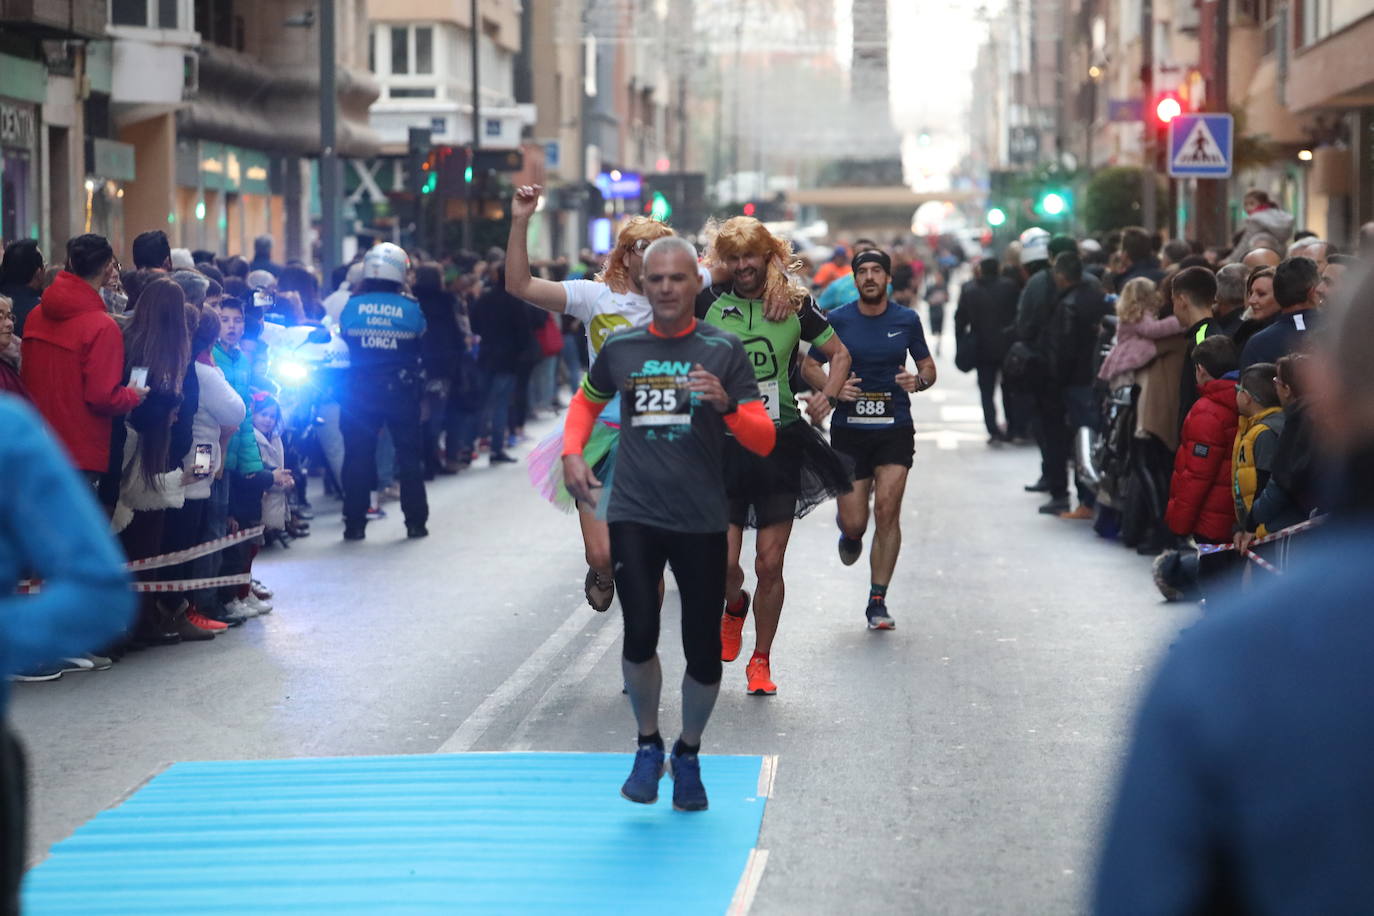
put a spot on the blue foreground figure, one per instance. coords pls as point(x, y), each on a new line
point(51, 529)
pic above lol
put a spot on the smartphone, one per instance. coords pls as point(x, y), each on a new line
point(204, 462)
point(262, 299)
point(138, 377)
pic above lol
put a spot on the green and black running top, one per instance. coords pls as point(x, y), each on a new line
point(771, 345)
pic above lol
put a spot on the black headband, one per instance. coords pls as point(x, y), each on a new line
point(872, 256)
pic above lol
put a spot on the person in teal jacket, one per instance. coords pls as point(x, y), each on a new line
point(51, 529)
point(242, 456)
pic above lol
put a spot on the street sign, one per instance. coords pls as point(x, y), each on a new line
point(1201, 146)
point(553, 154)
point(1121, 111)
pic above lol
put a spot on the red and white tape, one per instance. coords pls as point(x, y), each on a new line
point(162, 560)
point(1281, 535)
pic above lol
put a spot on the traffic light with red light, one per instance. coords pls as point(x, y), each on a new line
point(1167, 106)
point(750, 209)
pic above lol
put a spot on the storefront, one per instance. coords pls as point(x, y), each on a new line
point(109, 166)
point(19, 210)
point(226, 197)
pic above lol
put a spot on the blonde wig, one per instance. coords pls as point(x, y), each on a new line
point(616, 275)
point(743, 235)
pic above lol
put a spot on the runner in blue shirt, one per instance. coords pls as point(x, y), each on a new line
point(873, 423)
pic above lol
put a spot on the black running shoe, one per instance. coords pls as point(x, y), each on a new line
point(878, 617)
point(850, 550)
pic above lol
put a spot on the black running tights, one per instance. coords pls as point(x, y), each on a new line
point(698, 561)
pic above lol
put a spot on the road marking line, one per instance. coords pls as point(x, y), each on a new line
point(572, 676)
point(767, 774)
point(748, 882)
point(486, 713)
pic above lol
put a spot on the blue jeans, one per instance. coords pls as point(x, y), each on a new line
point(496, 408)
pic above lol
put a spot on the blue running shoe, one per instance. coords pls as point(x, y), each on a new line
point(688, 792)
point(642, 786)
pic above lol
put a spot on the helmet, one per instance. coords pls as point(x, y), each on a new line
point(386, 262)
point(1035, 245)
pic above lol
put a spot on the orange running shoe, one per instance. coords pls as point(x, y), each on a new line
point(205, 623)
point(732, 633)
point(760, 678)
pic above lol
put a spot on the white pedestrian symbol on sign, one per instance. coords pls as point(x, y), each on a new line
point(1200, 148)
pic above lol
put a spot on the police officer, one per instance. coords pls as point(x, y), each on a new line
point(384, 384)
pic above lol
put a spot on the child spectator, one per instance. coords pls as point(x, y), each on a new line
point(267, 430)
point(1200, 501)
point(1139, 326)
point(1257, 438)
point(1289, 495)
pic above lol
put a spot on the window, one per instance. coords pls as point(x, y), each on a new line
point(372, 52)
point(404, 92)
point(424, 49)
point(1322, 18)
point(400, 50)
point(148, 14)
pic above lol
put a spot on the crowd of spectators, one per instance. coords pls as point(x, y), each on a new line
point(1167, 379)
point(197, 395)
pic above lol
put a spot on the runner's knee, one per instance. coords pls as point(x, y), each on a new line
point(706, 668)
point(768, 565)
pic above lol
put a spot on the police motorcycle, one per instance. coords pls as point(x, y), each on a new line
point(305, 364)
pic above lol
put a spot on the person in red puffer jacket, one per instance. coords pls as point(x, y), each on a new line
point(1200, 501)
point(73, 357)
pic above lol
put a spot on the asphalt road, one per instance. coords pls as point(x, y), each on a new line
point(959, 764)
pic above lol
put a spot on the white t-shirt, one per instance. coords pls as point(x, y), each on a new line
point(605, 311)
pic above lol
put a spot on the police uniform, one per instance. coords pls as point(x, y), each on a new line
point(384, 384)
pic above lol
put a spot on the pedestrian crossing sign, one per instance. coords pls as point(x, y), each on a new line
point(1200, 146)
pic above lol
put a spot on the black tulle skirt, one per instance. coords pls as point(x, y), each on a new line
point(802, 472)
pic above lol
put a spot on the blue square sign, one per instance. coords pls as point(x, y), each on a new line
point(1200, 146)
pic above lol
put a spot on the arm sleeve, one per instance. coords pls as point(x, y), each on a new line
point(60, 536)
point(752, 427)
point(102, 375)
point(1157, 328)
point(582, 296)
point(916, 345)
point(577, 428)
point(220, 400)
point(815, 327)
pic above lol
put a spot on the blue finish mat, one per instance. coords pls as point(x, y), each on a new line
point(509, 833)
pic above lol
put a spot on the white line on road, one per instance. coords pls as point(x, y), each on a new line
point(748, 883)
point(487, 712)
point(569, 680)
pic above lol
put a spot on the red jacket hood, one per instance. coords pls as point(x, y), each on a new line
point(1222, 391)
point(68, 297)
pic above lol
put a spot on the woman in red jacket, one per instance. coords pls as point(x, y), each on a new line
point(1200, 501)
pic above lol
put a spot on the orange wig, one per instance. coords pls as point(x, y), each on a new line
point(616, 275)
point(743, 235)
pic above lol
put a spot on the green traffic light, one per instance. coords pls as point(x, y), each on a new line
point(467, 174)
point(430, 182)
point(660, 209)
point(997, 217)
point(1053, 204)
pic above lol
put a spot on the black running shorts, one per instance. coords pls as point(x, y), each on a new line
point(870, 448)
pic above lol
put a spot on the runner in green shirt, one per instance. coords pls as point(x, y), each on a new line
point(769, 493)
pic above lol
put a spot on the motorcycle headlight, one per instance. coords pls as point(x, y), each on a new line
point(290, 371)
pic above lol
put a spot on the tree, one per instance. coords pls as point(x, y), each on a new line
point(1112, 200)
